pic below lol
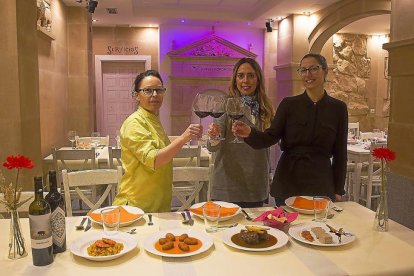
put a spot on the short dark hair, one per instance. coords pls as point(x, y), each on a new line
point(140, 77)
point(320, 58)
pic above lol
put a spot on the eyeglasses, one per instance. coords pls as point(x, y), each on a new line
point(250, 76)
point(311, 70)
point(150, 91)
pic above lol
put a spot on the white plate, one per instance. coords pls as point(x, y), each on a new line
point(289, 202)
point(295, 232)
point(79, 246)
point(130, 209)
point(221, 203)
point(282, 238)
point(149, 243)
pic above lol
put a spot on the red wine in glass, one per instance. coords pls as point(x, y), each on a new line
point(216, 114)
point(202, 114)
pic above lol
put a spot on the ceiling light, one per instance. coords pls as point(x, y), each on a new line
point(95, 20)
point(182, 20)
point(307, 13)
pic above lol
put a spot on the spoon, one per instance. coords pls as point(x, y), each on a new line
point(228, 225)
point(150, 220)
point(185, 220)
point(80, 226)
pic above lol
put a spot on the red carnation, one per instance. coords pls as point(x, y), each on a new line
point(18, 162)
point(383, 154)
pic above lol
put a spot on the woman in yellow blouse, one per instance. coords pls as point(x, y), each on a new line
point(146, 150)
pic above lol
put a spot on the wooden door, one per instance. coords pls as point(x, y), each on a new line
point(117, 101)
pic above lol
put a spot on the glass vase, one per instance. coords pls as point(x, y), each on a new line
point(17, 247)
point(381, 216)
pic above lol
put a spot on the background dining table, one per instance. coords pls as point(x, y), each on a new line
point(372, 253)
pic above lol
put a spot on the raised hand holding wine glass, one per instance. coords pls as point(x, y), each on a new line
point(235, 110)
point(218, 109)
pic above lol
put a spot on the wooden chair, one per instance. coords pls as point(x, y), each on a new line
point(114, 153)
point(91, 178)
point(371, 182)
point(186, 167)
point(196, 178)
point(74, 160)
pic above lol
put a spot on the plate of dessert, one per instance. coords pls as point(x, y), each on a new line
point(99, 247)
point(228, 210)
point(302, 204)
point(321, 234)
point(128, 214)
point(177, 243)
point(254, 238)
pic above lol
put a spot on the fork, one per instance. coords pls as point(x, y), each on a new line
point(185, 220)
point(150, 220)
point(246, 215)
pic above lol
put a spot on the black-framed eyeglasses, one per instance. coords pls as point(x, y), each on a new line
point(150, 91)
point(311, 70)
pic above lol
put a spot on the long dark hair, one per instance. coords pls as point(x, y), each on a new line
point(140, 77)
point(266, 108)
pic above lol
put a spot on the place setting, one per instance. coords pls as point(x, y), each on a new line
point(108, 244)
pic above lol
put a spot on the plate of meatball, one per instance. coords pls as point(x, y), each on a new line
point(178, 243)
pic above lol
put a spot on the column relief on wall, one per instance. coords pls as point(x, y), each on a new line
point(204, 66)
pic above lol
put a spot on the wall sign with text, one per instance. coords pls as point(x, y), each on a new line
point(122, 50)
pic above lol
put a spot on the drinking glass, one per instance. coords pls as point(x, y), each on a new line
point(110, 220)
point(235, 110)
point(321, 207)
point(118, 139)
point(218, 109)
point(202, 107)
point(211, 215)
point(72, 137)
point(376, 134)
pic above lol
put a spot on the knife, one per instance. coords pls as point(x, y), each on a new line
point(190, 220)
point(89, 225)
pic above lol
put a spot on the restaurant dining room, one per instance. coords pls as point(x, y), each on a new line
point(222, 137)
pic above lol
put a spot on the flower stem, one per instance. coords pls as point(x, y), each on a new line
point(15, 186)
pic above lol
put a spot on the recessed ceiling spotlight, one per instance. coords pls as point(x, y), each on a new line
point(182, 20)
point(95, 20)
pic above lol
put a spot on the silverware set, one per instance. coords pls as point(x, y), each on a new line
point(85, 228)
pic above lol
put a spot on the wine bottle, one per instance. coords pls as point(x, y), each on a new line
point(57, 205)
point(40, 227)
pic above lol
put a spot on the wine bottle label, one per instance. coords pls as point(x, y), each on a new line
point(40, 231)
point(58, 226)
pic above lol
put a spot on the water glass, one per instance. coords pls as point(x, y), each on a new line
point(321, 207)
point(110, 220)
point(211, 215)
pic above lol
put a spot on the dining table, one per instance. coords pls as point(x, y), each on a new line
point(371, 253)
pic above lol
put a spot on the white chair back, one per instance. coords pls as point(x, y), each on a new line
point(353, 129)
point(372, 179)
point(194, 178)
point(188, 156)
point(91, 178)
point(114, 154)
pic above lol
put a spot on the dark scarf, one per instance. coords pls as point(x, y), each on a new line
point(253, 103)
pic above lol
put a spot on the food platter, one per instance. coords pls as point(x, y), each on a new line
point(150, 241)
point(79, 246)
point(222, 204)
point(289, 203)
point(282, 239)
point(295, 232)
point(130, 209)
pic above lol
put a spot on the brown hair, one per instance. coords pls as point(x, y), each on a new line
point(266, 110)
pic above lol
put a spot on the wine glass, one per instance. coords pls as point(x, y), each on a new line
point(235, 110)
point(72, 137)
point(202, 107)
point(218, 109)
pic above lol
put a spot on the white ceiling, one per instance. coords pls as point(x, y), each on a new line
point(236, 13)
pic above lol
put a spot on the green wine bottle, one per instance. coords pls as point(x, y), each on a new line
point(57, 204)
point(40, 227)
